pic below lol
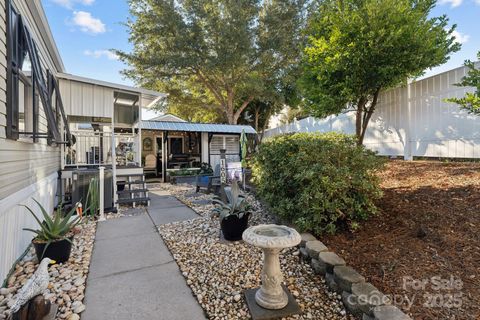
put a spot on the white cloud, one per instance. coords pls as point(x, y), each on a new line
point(453, 3)
point(87, 23)
point(69, 3)
point(101, 53)
point(460, 37)
point(477, 2)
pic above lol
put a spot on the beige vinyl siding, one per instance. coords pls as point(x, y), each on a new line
point(23, 163)
point(27, 170)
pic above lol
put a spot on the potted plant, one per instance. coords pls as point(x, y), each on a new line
point(185, 175)
point(234, 214)
point(54, 237)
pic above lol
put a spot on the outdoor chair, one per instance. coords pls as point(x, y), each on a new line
point(209, 182)
point(150, 164)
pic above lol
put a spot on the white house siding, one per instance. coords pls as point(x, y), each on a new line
point(27, 169)
point(432, 128)
point(13, 218)
point(84, 99)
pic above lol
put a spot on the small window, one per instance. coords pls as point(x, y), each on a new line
point(27, 107)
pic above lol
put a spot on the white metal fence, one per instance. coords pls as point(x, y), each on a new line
point(426, 127)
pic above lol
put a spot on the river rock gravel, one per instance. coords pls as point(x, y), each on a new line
point(219, 272)
point(67, 280)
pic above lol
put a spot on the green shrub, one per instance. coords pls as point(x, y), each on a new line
point(318, 181)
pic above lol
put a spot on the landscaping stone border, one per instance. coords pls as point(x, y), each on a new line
point(360, 298)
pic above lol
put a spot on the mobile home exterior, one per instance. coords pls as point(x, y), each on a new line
point(41, 109)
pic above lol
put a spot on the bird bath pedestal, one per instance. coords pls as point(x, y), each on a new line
point(271, 300)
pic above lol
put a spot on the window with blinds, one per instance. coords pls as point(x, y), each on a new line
point(230, 143)
point(216, 144)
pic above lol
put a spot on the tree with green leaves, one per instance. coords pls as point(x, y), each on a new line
point(356, 48)
point(471, 101)
point(222, 53)
point(193, 105)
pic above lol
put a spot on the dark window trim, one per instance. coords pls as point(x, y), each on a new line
point(12, 76)
point(19, 43)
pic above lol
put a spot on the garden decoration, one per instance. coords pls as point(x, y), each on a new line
point(35, 286)
point(271, 295)
point(233, 213)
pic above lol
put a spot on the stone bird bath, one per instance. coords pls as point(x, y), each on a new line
point(271, 239)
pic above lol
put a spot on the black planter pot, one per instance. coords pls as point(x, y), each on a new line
point(233, 227)
point(57, 250)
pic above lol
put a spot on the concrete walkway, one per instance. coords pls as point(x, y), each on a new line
point(132, 273)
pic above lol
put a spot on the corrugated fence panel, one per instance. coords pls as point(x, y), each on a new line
point(436, 128)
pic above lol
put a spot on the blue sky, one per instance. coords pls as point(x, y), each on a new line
point(85, 30)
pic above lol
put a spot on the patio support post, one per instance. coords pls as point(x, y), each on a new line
point(101, 191)
point(114, 167)
point(164, 155)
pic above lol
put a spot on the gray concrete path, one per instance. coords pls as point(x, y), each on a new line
point(132, 273)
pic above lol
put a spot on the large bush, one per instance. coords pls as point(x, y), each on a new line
point(318, 181)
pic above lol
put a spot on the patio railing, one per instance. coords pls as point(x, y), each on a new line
point(95, 148)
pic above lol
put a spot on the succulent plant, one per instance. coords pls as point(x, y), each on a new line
point(236, 203)
point(53, 229)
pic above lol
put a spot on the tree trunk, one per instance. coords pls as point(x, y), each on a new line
point(230, 115)
point(238, 113)
point(367, 115)
point(358, 121)
point(230, 108)
point(260, 138)
point(257, 116)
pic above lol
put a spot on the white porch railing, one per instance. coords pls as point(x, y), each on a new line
point(95, 148)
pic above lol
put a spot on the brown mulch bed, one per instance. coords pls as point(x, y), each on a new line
point(429, 226)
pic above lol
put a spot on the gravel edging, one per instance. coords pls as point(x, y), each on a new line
point(360, 298)
point(218, 273)
point(67, 280)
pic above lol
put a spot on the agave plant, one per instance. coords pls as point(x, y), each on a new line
point(53, 228)
point(236, 203)
point(92, 202)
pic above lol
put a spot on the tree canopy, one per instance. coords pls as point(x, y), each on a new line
point(215, 53)
point(356, 48)
point(471, 101)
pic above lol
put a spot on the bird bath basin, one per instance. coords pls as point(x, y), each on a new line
point(271, 239)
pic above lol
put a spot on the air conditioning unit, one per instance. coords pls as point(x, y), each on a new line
point(81, 180)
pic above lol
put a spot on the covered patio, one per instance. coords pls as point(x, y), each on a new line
point(175, 145)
